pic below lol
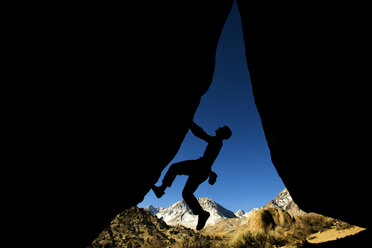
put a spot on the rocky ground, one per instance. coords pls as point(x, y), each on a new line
point(136, 227)
point(280, 223)
point(269, 227)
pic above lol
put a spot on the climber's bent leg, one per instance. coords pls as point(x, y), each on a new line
point(180, 168)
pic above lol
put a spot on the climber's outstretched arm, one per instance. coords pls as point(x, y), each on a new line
point(199, 132)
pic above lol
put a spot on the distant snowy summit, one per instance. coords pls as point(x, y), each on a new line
point(242, 214)
point(285, 202)
point(180, 214)
point(282, 200)
point(153, 210)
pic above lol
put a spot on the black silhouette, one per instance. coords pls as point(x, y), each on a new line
point(119, 84)
point(198, 171)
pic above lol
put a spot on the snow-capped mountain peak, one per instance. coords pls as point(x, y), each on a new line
point(282, 200)
point(240, 213)
point(243, 214)
point(285, 202)
point(153, 210)
point(180, 214)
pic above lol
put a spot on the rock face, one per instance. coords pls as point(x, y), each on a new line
point(117, 92)
point(300, 85)
point(180, 214)
point(118, 86)
point(268, 219)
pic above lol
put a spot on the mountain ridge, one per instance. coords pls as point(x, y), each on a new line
point(180, 214)
point(137, 227)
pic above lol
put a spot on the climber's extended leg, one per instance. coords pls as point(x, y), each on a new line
point(188, 195)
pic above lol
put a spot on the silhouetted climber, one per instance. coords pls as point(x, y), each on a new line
point(198, 171)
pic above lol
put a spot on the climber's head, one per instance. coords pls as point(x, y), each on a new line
point(223, 132)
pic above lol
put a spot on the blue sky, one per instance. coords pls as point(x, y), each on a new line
point(246, 175)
